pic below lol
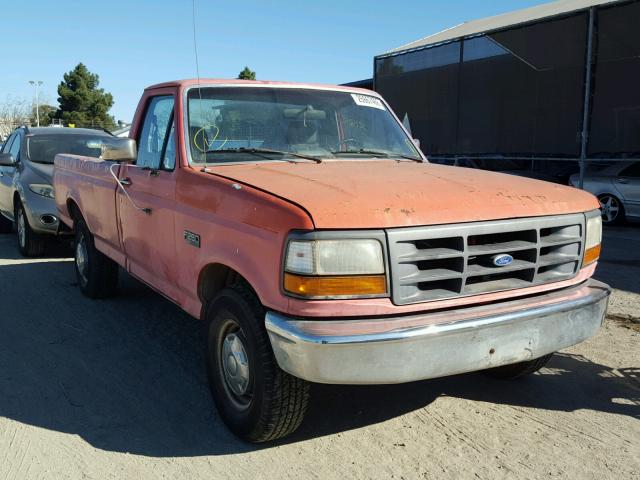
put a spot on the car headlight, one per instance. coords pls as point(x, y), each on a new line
point(41, 189)
point(593, 238)
point(335, 268)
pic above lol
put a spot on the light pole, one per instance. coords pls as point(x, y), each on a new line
point(36, 84)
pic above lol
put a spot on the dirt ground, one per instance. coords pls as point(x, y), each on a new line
point(116, 389)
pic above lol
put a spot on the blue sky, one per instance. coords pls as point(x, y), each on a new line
point(135, 43)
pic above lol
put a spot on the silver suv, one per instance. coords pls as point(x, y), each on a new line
point(26, 172)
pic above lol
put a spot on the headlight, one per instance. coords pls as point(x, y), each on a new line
point(593, 238)
point(44, 190)
point(335, 268)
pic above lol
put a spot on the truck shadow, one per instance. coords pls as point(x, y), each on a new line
point(126, 374)
point(570, 383)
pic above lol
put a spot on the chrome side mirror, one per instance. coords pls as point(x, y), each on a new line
point(119, 150)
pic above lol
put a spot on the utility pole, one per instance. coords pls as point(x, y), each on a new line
point(587, 98)
point(36, 84)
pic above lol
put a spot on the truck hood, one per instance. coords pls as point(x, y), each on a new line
point(388, 193)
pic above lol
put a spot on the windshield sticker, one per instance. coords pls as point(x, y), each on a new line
point(367, 101)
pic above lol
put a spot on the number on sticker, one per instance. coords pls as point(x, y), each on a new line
point(367, 101)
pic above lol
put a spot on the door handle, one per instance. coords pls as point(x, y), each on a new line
point(125, 182)
point(623, 180)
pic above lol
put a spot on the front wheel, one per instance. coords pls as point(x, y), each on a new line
point(255, 398)
point(97, 274)
point(517, 370)
point(30, 243)
point(612, 209)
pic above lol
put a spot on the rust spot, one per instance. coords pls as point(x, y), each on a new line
point(407, 211)
point(492, 351)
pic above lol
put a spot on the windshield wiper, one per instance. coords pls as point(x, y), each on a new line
point(259, 151)
point(380, 153)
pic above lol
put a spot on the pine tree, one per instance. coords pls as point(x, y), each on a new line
point(247, 74)
point(81, 101)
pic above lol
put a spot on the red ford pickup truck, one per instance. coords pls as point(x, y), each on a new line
point(302, 223)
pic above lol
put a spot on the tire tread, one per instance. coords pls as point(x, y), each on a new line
point(35, 244)
point(289, 395)
point(103, 272)
point(286, 397)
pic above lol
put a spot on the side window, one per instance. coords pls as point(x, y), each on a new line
point(7, 145)
point(14, 149)
point(157, 123)
point(631, 171)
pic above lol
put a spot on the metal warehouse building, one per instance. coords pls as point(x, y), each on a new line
point(552, 82)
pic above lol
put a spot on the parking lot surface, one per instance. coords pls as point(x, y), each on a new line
point(116, 389)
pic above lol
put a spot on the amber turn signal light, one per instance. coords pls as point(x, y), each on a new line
point(591, 255)
point(335, 286)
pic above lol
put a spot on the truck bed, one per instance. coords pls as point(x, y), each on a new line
point(87, 182)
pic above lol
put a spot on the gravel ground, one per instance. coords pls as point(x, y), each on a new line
point(116, 389)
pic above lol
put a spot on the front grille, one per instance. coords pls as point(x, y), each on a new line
point(437, 262)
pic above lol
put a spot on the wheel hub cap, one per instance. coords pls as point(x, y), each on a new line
point(235, 364)
point(609, 208)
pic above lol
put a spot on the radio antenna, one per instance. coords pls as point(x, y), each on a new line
point(195, 41)
point(195, 51)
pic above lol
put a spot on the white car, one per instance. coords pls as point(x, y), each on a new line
point(618, 189)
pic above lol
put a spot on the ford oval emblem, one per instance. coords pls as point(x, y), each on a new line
point(502, 260)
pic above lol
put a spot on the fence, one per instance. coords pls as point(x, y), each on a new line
point(560, 88)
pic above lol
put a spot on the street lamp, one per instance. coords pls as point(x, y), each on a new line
point(36, 84)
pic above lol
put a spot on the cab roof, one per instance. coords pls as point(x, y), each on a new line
point(225, 81)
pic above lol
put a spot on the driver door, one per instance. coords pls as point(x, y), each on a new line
point(147, 213)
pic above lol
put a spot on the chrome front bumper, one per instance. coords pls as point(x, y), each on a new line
point(409, 348)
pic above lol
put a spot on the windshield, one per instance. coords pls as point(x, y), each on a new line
point(44, 148)
point(236, 124)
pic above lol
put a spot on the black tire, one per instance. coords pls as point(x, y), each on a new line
point(517, 370)
point(274, 402)
point(30, 243)
point(609, 202)
point(97, 274)
point(6, 225)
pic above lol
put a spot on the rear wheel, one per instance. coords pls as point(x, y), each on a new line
point(30, 243)
point(97, 274)
point(611, 208)
point(517, 370)
point(255, 398)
